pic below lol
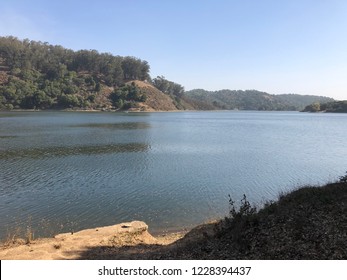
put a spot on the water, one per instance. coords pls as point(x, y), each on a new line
point(62, 171)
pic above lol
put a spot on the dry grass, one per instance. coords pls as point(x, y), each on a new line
point(156, 100)
point(308, 223)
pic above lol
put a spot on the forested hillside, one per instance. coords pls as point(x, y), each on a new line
point(251, 100)
point(36, 75)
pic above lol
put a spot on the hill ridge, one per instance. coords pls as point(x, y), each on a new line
point(253, 100)
point(36, 75)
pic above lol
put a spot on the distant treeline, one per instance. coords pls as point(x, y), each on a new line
point(251, 100)
point(330, 107)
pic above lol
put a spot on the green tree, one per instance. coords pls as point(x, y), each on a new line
point(68, 101)
point(168, 87)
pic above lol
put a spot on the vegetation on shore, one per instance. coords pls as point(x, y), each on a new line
point(308, 223)
point(251, 100)
point(330, 107)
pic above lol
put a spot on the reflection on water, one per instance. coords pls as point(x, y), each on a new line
point(71, 151)
point(122, 125)
point(7, 136)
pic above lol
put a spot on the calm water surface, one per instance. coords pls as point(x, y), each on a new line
point(62, 171)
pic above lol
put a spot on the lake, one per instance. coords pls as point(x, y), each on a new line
point(62, 171)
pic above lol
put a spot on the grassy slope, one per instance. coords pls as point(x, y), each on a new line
point(156, 100)
point(309, 223)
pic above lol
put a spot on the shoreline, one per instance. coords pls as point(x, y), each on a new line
point(101, 111)
point(300, 225)
point(74, 244)
point(137, 111)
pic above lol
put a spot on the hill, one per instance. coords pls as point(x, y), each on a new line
point(36, 75)
point(251, 100)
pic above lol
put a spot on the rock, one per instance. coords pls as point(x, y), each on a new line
point(73, 246)
point(130, 227)
point(135, 226)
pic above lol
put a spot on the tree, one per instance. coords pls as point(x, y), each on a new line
point(135, 69)
point(316, 107)
point(127, 95)
point(168, 87)
point(161, 83)
point(38, 100)
point(68, 101)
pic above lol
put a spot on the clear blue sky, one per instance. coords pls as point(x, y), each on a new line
point(289, 46)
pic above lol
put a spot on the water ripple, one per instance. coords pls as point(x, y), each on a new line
point(72, 171)
point(118, 125)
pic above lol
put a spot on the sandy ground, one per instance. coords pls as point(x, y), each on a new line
point(88, 243)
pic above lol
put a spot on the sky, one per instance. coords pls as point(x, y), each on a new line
point(287, 46)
